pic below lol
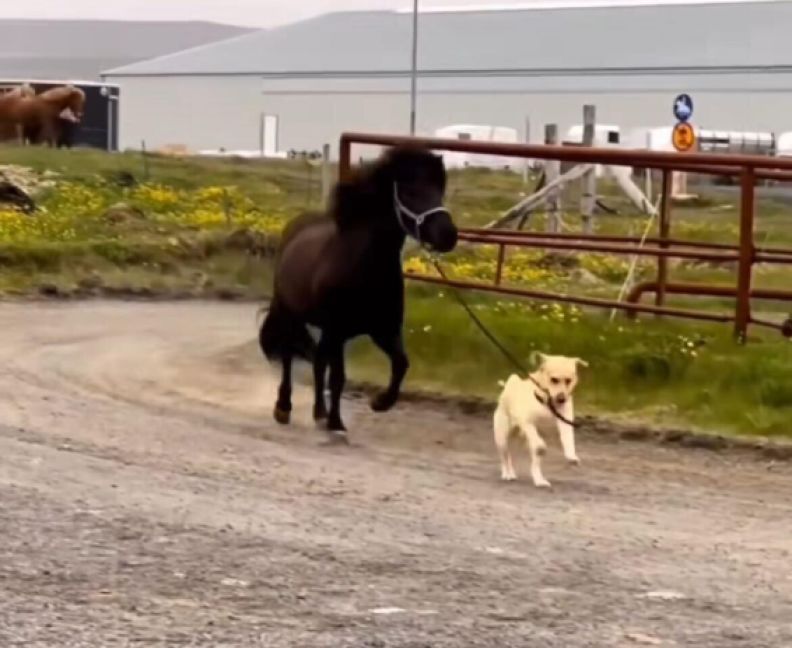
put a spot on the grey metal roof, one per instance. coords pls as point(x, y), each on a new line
point(81, 49)
point(652, 37)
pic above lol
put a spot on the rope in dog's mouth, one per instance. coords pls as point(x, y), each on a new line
point(516, 364)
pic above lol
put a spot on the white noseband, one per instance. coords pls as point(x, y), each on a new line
point(403, 211)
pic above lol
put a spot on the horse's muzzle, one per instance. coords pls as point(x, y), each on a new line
point(444, 239)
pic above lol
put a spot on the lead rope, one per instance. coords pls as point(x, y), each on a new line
point(516, 364)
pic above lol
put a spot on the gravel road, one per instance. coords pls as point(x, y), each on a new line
point(146, 499)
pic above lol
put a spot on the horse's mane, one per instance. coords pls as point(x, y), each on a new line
point(356, 196)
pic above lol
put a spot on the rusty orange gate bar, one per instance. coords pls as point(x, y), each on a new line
point(748, 168)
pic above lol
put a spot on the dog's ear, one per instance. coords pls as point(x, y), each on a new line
point(537, 359)
point(581, 363)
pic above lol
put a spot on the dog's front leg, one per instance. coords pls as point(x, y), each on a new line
point(536, 448)
point(567, 434)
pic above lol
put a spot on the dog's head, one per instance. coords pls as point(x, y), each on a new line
point(557, 375)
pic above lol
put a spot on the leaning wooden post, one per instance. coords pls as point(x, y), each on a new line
point(588, 198)
point(552, 170)
point(326, 180)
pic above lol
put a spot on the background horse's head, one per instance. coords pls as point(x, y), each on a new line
point(25, 90)
point(401, 193)
point(66, 97)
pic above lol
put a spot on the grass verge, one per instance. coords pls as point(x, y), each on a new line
point(666, 373)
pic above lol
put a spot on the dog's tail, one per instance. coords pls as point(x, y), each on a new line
point(281, 334)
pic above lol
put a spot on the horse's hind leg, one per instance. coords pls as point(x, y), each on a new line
point(283, 406)
point(393, 347)
point(337, 381)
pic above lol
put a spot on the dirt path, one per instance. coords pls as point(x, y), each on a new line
point(147, 500)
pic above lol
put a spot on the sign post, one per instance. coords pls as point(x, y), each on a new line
point(683, 136)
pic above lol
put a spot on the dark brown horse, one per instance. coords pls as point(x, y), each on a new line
point(341, 272)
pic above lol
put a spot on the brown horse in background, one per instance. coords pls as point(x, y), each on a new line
point(24, 90)
point(36, 118)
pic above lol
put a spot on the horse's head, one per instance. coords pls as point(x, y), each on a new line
point(76, 101)
point(66, 98)
point(399, 194)
point(414, 181)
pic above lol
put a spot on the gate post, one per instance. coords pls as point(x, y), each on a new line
point(664, 227)
point(344, 158)
point(742, 314)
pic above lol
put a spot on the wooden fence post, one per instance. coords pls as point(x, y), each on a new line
point(527, 140)
point(742, 315)
point(552, 169)
point(326, 179)
point(588, 198)
point(664, 230)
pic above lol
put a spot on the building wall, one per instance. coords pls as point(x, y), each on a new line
point(211, 112)
point(197, 112)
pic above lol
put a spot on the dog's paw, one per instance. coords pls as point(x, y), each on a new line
point(541, 483)
point(508, 477)
point(573, 461)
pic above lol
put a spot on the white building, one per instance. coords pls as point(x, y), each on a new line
point(499, 66)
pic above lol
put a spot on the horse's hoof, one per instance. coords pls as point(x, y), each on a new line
point(336, 425)
point(337, 438)
point(281, 416)
point(383, 402)
point(319, 413)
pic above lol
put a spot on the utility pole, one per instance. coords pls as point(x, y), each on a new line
point(414, 69)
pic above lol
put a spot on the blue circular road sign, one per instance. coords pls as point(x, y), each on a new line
point(683, 107)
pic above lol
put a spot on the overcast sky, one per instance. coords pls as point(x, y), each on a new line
point(259, 13)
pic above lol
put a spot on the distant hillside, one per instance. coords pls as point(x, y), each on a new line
point(82, 49)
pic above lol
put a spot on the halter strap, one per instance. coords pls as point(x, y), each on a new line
point(548, 402)
point(403, 211)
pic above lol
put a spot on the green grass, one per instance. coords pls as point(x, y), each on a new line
point(663, 372)
point(298, 182)
point(669, 372)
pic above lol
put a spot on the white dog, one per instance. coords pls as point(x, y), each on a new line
point(544, 398)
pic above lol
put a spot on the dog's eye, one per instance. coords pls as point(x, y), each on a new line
point(555, 381)
point(568, 381)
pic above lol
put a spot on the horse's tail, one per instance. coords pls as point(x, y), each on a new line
point(281, 334)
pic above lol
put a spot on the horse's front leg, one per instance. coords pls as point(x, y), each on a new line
point(393, 346)
point(335, 357)
point(283, 406)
